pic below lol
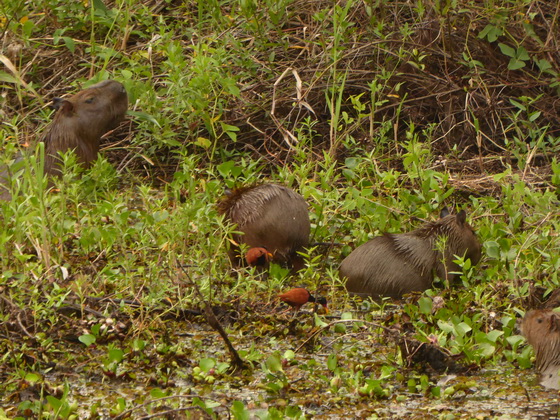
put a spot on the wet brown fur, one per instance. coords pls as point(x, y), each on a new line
point(541, 328)
point(270, 216)
point(395, 264)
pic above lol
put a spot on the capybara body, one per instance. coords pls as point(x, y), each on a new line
point(270, 216)
point(81, 120)
point(394, 264)
point(78, 125)
point(541, 328)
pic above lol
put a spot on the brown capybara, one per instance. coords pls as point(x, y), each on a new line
point(541, 328)
point(78, 125)
point(81, 120)
point(269, 216)
point(394, 264)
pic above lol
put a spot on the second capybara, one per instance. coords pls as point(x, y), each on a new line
point(541, 328)
point(394, 264)
point(270, 216)
point(78, 125)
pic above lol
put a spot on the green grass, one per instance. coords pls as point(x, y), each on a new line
point(379, 114)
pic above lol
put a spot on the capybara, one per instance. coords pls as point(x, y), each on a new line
point(394, 264)
point(81, 120)
point(78, 125)
point(541, 328)
point(269, 216)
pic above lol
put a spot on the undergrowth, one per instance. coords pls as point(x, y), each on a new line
point(378, 113)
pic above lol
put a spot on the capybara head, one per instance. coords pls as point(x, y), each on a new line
point(81, 120)
point(269, 216)
point(460, 237)
point(541, 328)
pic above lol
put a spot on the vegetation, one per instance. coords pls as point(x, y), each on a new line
point(378, 112)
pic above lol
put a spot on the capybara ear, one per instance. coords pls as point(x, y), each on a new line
point(444, 212)
point(62, 105)
point(554, 322)
point(461, 217)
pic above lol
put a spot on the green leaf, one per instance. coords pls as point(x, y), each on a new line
point(225, 168)
point(515, 340)
point(486, 349)
point(70, 44)
point(494, 335)
point(157, 393)
point(230, 86)
point(543, 64)
point(332, 362)
point(425, 305)
point(273, 363)
point(518, 105)
point(143, 116)
point(446, 327)
point(7, 78)
point(203, 142)
point(351, 162)
point(289, 355)
point(207, 364)
point(230, 130)
point(522, 54)
point(492, 249)
point(534, 116)
point(55, 403)
point(116, 355)
point(515, 64)
point(318, 321)
point(99, 5)
point(27, 28)
point(32, 377)
point(490, 32)
point(340, 328)
point(462, 328)
point(87, 339)
point(507, 50)
point(239, 411)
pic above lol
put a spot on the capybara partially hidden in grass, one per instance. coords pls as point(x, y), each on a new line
point(78, 125)
point(269, 216)
point(81, 120)
point(541, 328)
point(394, 264)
